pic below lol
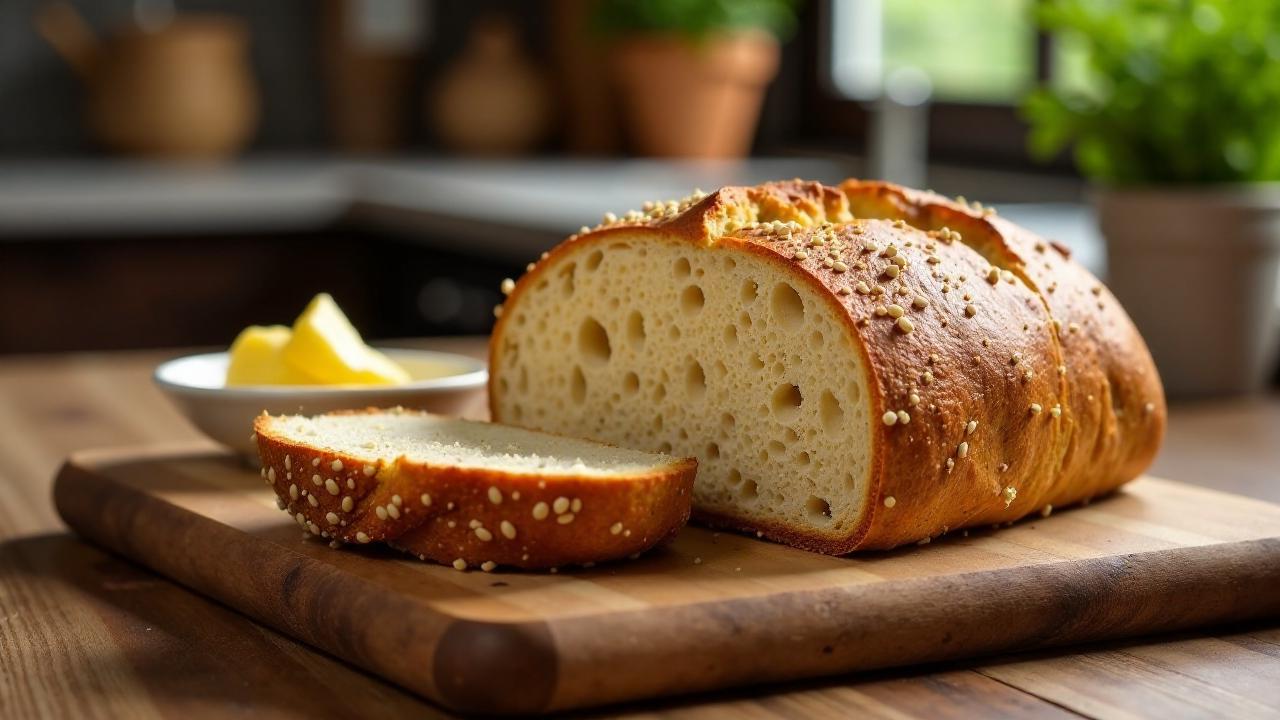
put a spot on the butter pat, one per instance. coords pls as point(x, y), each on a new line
point(325, 346)
point(257, 358)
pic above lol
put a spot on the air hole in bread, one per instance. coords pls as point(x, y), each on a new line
point(776, 448)
point(503, 385)
point(681, 268)
point(578, 385)
point(593, 260)
point(750, 289)
point(658, 423)
point(734, 476)
point(660, 392)
point(791, 436)
point(517, 412)
point(635, 328)
point(786, 402)
point(593, 341)
point(803, 458)
point(695, 380)
point(713, 451)
point(787, 307)
point(750, 489)
point(757, 362)
point(523, 383)
point(730, 264)
point(730, 335)
point(567, 281)
point(721, 369)
point(830, 411)
point(664, 447)
point(727, 421)
point(817, 338)
point(817, 507)
point(631, 383)
point(673, 332)
point(692, 300)
point(855, 393)
point(744, 319)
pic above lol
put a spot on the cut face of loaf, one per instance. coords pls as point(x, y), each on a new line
point(844, 383)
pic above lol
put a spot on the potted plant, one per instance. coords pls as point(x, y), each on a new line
point(692, 73)
point(1178, 127)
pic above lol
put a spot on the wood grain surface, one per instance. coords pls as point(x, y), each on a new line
point(84, 633)
point(707, 611)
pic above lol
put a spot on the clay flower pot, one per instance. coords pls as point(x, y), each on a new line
point(1197, 270)
point(701, 98)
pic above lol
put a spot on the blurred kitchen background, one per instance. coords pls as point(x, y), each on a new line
point(172, 172)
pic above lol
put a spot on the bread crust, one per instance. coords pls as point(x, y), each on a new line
point(438, 507)
point(1006, 416)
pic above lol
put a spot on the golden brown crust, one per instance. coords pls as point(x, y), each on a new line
point(1116, 407)
point(448, 514)
point(1006, 414)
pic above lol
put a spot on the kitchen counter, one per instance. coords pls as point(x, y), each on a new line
point(86, 634)
point(509, 210)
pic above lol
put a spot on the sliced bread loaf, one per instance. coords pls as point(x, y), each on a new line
point(471, 494)
point(855, 367)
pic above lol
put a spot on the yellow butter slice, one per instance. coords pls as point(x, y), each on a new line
point(257, 358)
point(327, 347)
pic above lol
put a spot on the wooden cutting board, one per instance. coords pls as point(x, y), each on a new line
point(710, 610)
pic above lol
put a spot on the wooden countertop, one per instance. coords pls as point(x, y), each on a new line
point(86, 634)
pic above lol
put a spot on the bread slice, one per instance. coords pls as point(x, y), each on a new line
point(471, 494)
point(845, 382)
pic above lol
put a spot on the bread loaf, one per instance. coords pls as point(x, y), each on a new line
point(854, 368)
point(470, 494)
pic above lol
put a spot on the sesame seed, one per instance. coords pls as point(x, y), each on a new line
point(397, 501)
point(890, 418)
point(899, 260)
point(508, 530)
point(362, 538)
point(1028, 374)
point(913, 399)
point(317, 480)
point(963, 450)
point(529, 267)
point(475, 524)
point(507, 286)
point(905, 325)
point(799, 255)
point(331, 517)
point(348, 504)
point(1062, 369)
point(336, 466)
point(293, 492)
point(993, 275)
point(1002, 467)
point(515, 494)
point(615, 528)
point(1010, 493)
point(862, 287)
point(1072, 327)
point(351, 484)
point(970, 310)
point(315, 462)
point(1056, 411)
point(880, 311)
point(890, 501)
point(1149, 408)
point(483, 534)
point(892, 271)
point(369, 470)
point(561, 505)
point(381, 512)
point(461, 564)
point(271, 474)
point(1035, 408)
point(927, 377)
point(970, 427)
point(540, 511)
point(331, 486)
point(565, 519)
point(895, 311)
point(839, 266)
point(1046, 511)
point(426, 500)
point(903, 417)
point(950, 464)
point(576, 505)
point(394, 512)
point(288, 463)
point(488, 565)
point(920, 302)
point(495, 495)
point(697, 561)
point(312, 501)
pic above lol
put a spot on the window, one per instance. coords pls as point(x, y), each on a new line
point(975, 58)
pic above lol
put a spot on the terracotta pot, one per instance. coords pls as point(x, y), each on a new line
point(1197, 270)
point(184, 91)
point(694, 98)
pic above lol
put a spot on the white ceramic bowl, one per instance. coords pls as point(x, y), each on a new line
point(197, 385)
